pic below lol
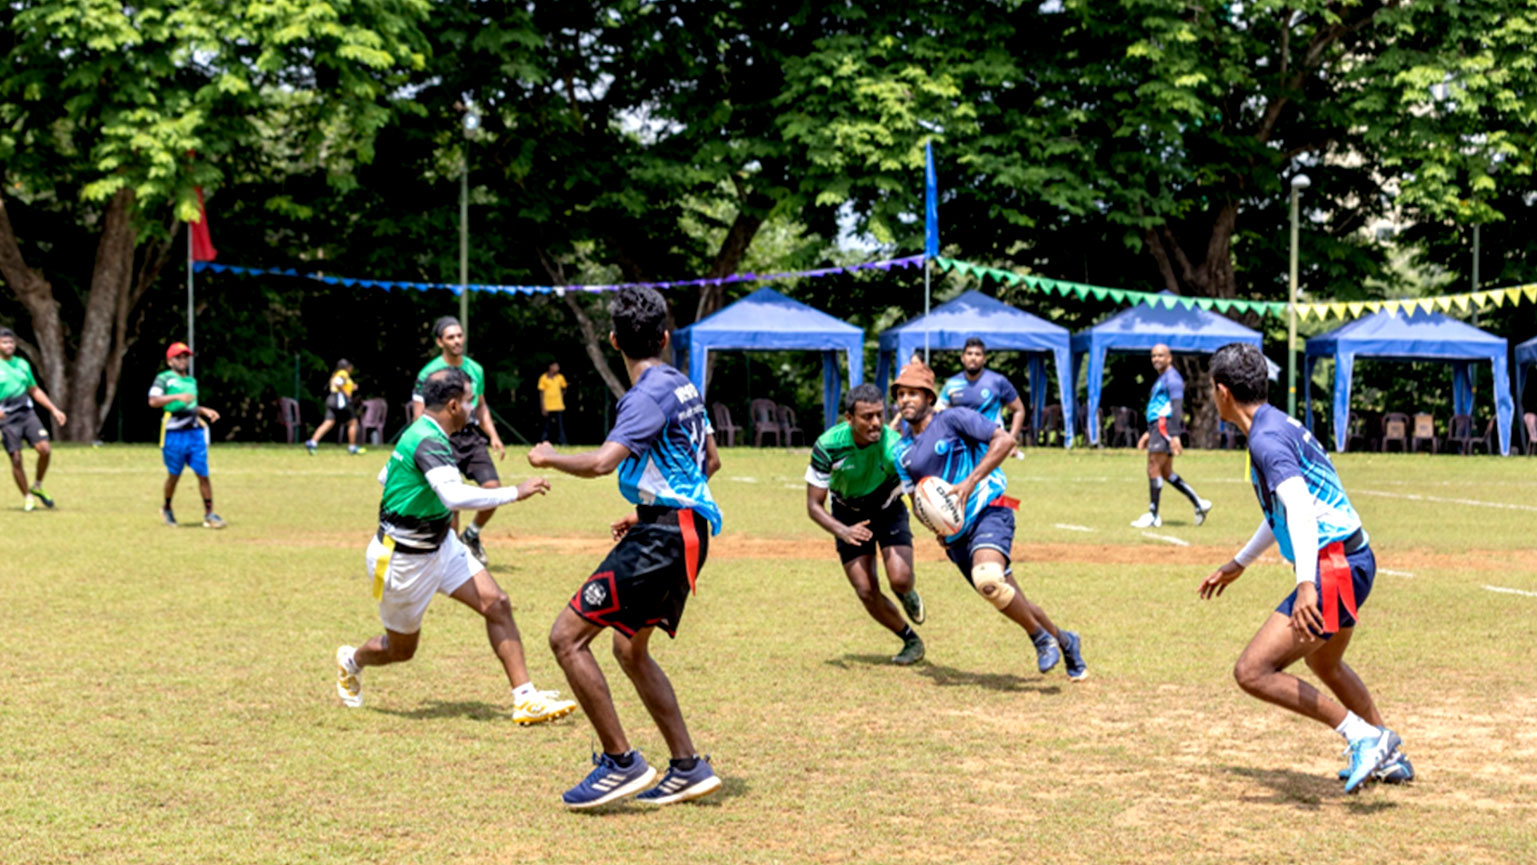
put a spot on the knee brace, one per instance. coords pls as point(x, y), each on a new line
point(989, 581)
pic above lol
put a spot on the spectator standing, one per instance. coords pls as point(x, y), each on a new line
point(552, 402)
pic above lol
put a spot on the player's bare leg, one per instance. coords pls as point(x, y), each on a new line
point(655, 690)
point(485, 597)
point(18, 472)
point(390, 647)
point(320, 431)
point(352, 432)
point(899, 568)
point(861, 575)
point(1260, 672)
point(44, 456)
point(1328, 664)
point(571, 640)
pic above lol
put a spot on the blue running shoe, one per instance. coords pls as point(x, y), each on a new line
point(680, 786)
point(1072, 647)
point(609, 781)
point(1397, 770)
point(1047, 652)
point(1369, 755)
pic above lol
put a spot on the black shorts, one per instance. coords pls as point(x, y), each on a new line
point(1157, 442)
point(339, 415)
point(888, 528)
point(648, 575)
point(22, 426)
point(471, 455)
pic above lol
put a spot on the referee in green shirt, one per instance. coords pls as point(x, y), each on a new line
point(854, 461)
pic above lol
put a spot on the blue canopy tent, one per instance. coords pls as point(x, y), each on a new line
point(1418, 335)
point(768, 321)
point(1003, 328)
point(1526, 355)
point(1141, 327)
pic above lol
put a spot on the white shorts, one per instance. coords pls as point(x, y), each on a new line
point(411, 579)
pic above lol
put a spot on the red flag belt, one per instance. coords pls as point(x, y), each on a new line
point(1338, 589)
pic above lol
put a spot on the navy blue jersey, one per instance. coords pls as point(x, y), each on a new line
point(986, 396)
point(950, 448)
point(663, 423)
point(1279, 449)
point(1169, 387)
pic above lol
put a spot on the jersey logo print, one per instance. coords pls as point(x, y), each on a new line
point(594, 594)
point(941, 447)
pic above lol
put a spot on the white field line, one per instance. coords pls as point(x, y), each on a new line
point(1392, 573)
point(1451, 501)
point(1505, 591)
point(1074, 528)
point(793, 486)
point(1167, 538)
point(743, 480)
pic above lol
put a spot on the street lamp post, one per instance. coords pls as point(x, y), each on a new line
point(471, 123)
point(1299, 183)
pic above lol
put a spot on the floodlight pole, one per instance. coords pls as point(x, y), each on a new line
point(1299, 183)
point(464, 244)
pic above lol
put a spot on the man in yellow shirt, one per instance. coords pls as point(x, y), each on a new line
point(339, 409)
point(552, 402)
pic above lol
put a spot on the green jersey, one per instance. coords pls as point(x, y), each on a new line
point(472, 369)
point(181, 414)
point(15, 380)
point(410, 510)
point(861, 477)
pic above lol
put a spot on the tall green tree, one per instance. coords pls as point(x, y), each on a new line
point(102, 108)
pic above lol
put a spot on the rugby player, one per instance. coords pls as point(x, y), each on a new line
point(339, 410)
point(1306, 512)
point(984, 391)
point(1165, 422)
point(415, 553)
point(663, 449)
point(470, 443)
point(183, 431)
point(854, 460)
point(965, 450)
point(19, 424)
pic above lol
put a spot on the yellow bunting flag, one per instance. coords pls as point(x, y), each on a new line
point(1391, 306)
point(1356, 308)
point(1461, 300)
point(1530, 291)
point(1443, 302)
point(1373, 305)
point(1340, 310)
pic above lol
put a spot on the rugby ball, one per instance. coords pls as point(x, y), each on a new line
point(935, 505)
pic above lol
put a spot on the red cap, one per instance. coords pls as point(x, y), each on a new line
point(177, 348)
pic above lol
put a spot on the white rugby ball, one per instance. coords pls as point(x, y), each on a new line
point(935, 505)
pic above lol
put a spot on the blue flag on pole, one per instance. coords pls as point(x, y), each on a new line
point(930, 204)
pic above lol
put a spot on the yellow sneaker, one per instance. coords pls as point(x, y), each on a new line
point(349, 684)
point(542, 706)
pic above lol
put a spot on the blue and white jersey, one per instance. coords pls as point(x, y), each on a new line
point(1279, 449)
point(950, 448)
point(986, 396)
point(663, 423)
point(1169, 387)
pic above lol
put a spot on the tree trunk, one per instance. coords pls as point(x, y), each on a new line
point(36, 295)
point(111, 281)
point(590, 341)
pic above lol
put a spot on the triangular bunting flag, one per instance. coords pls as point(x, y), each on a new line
point(1116, 295)
point(1530, 291)
point(1099, 293)
point(1339, 310)
point(1391, 306)
point(1204, 302)
point(1011, 278)
point(1373, 305)
point(1187, 302)
point(1169, 300)
point(1356, 309)
point(1461, 300)
point(1223, 305)
point(1425, 305)
point(1442, 303)
point(1080, 289)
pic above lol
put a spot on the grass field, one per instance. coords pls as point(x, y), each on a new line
point(166, 695)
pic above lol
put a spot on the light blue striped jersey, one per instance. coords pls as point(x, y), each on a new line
point(987, 395)
point(1279, 449)
point(1169, 387)
point(663, 423)
point(951, 447)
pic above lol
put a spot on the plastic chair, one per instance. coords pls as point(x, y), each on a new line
point(723, 424)
point(288, 416)
point(1487, 439)
point(1460, 433)
point(1051, 422)
point(1529, 420)
point(1424, 431)
point(1123, 427)
point(788, 425)
point(1395, 428)
point(375, 412)
point(1355, 431)
point(765, 422)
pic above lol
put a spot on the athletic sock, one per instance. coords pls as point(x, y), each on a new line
point(1179, 484)
point(908, 633)
point(624, 761)
point(351, 663)
point(167, 504)
point(207, 506)
point(523, 692)
point(472, 532)
point(1154, 491)
point(687, 764)
point(1354, 728)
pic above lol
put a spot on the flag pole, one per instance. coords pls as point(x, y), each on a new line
point(930, 234)
point(191, 314)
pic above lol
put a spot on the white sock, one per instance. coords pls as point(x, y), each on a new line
point(1354, 728)
point(523, 692)
point(351, 664)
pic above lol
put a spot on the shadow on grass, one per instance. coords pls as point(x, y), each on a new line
point(945, 676)
point(1305, 790)
point(434, 709)
point(730, 788)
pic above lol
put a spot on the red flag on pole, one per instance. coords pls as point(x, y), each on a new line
point(202, 243)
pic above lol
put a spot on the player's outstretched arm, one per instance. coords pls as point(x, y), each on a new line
point(592, 464)
point(457, 495)
point(816, 508)
point(1016, 418)
point(42, 399)
point(1218, 581)
point(999, 446)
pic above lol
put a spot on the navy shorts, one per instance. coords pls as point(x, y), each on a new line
point(993, 529)
point(1363, 571)
point(647, 577)
point(22, 426)
point(186, 448)
point(1157, 442)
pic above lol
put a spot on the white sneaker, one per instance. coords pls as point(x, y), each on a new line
point(1201, 511)
point(542, 706)
point(349, 681)
point(29, 504)
point(1148, 520)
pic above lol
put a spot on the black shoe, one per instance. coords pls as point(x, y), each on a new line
point(170, 518)
point(473, 545)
